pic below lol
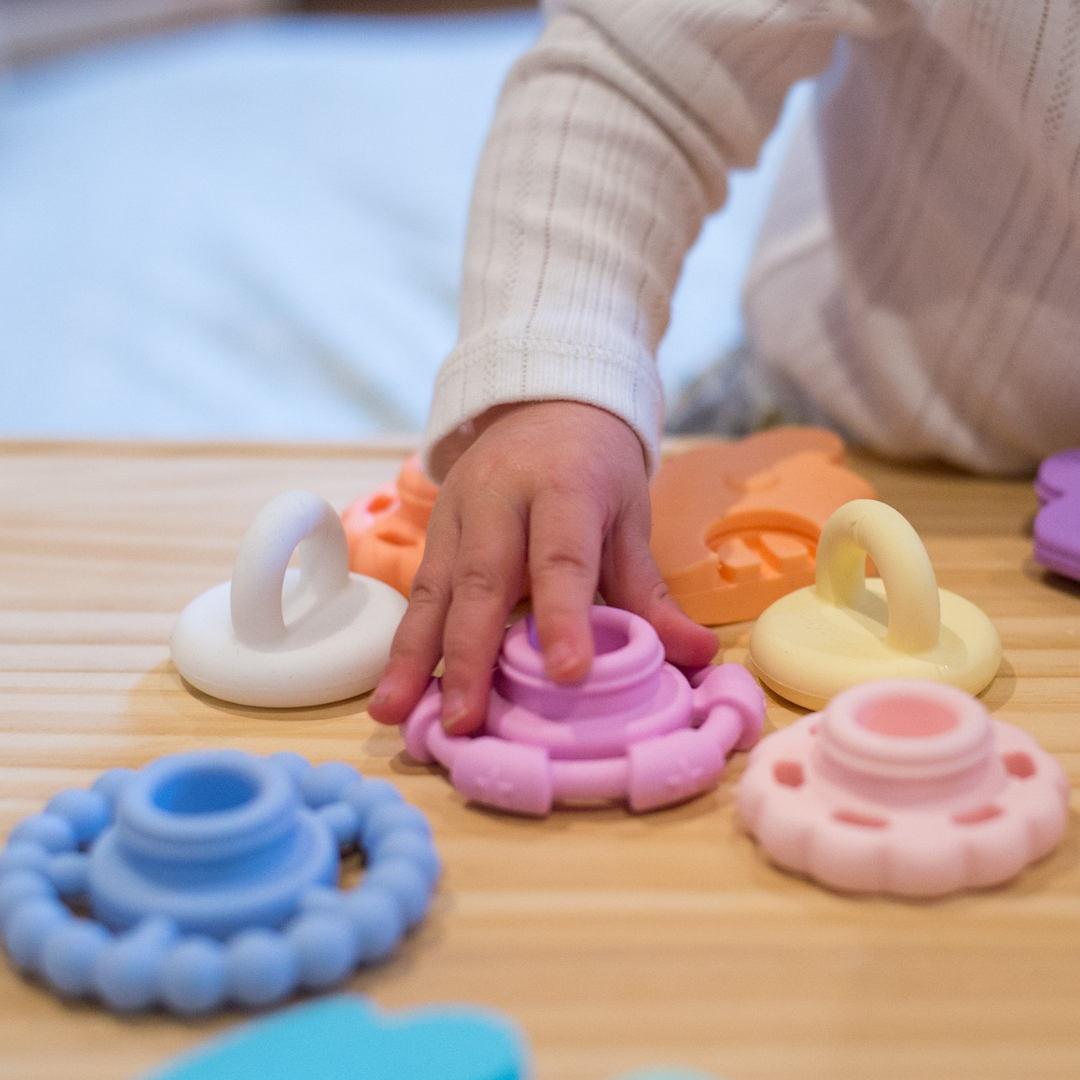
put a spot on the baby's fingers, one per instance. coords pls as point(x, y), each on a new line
point(565, 540)
point(486, 584)
point(417, 643)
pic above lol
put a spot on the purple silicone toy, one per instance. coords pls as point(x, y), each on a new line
point(1057, 525)
point(635, 728)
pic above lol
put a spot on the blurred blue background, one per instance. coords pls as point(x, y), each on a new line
point(253, 229)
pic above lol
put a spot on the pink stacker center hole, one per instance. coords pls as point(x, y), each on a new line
point(606, 638)
point(906, 716)
point(609, 639)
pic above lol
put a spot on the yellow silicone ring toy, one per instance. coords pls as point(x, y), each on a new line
point(844, 630)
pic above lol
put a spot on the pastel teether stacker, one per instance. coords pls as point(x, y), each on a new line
point(387, 528)
point(845, 629)
point(279, 637)
point(347, 1038)
point(635, 728)
point(905, 787)
point(1057, 524)
point(735, 525)
point(212, 879)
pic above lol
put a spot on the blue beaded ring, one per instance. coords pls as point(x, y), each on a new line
point(211, 877)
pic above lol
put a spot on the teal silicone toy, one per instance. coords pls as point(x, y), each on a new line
point(345, 1038)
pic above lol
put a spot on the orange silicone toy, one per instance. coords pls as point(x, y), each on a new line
point(735, 525)
point(386, 528)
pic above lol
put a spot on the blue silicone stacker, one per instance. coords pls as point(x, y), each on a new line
point(211, 878)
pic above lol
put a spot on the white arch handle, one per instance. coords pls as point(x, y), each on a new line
point(295, 518)
point(867, 527)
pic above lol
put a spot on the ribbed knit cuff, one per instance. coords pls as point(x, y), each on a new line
point(493, 369)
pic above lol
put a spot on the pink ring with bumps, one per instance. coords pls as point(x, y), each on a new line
point(634, 729)
point(905, 787)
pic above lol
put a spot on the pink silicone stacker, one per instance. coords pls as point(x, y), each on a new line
point(634, 728)
point(906, 787)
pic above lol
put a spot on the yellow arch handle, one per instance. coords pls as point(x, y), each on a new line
point(867, 527)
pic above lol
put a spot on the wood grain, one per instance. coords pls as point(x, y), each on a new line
point(615, 941)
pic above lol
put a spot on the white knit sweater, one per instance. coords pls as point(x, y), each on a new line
point(919, 276)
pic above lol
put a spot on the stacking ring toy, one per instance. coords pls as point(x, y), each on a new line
point(211, 880)
point(282, 638)
point(1057, 524)
point(905, 787)
point(634, 728)
point(387, 528)
point(735, 524)
point(845, 630)
point(346, 1037)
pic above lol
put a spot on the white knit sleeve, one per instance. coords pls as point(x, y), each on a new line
point(610, 145)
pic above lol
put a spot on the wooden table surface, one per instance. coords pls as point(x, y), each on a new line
point(615, 941)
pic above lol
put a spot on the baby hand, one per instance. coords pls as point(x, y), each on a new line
point(559, 485)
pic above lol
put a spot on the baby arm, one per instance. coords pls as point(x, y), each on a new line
point(610, 145)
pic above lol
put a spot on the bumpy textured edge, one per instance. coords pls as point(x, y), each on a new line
point(46, 861)
point(727, 713)
point(803, 834)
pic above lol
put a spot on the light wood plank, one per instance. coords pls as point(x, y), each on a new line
point(615, 941)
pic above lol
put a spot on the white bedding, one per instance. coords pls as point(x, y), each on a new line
point(254, 230)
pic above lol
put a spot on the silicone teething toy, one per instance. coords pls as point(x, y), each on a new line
point(906, 787)
point(280, 637)
point(386, 529)
point(347, 1038)
point(634, 728)
point(211, 878)
point(845, 630)
point(1057, 524)
point(735, 525)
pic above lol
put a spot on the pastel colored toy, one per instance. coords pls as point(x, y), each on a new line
point(635, 728)
point(279, 637)
point(386, 529)
point(845, 630)
point(735, 525)
point(905, 787)
point(1057, 524)
point(347, 1038)
point(211, 878)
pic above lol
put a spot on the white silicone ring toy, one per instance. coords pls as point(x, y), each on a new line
point(281, 638)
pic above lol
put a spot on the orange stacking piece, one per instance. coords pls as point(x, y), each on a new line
point(386, 528)
point(735, 525)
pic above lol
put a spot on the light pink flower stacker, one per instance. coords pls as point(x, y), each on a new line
point(635, 728)
point(904, 786)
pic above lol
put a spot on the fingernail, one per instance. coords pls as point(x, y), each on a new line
point(382, 693)
point(453, 710)
point(560, 660)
